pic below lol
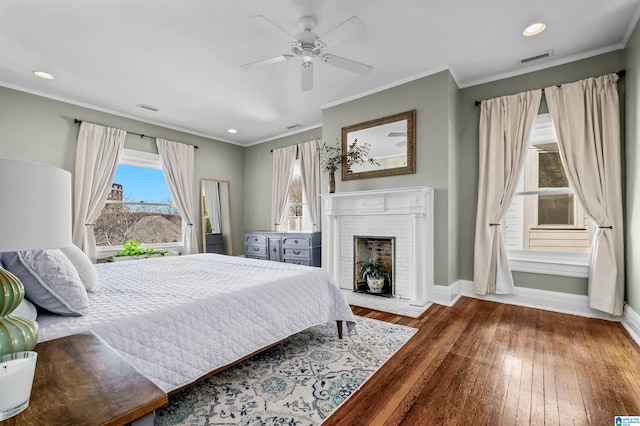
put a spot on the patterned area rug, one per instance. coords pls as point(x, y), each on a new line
point(301, 381)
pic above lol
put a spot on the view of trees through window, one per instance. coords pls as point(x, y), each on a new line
point(133, 210)
point(296, 216)
point(544, 214)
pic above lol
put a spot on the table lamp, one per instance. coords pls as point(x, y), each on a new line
point(35, 214)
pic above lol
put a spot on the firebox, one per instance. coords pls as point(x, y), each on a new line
point(367, 248)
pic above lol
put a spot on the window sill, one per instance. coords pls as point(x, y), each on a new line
point(102, 252)
point(550, 263)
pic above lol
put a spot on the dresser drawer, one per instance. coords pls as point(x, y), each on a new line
point(255, 250)
point(295, 252)
point(305, 262)
point(255, 240)
point(295, 242)
point(252, 256)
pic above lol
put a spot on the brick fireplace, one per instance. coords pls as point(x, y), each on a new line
point(402, 214)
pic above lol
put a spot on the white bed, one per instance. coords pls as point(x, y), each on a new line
point(178, 318)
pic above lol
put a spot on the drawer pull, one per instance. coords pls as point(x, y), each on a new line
point(296, 241)
point(255, 239)
point(274, 250)
point(296, 252)
point(256, 249)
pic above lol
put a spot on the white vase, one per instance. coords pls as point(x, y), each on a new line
point(375, 284)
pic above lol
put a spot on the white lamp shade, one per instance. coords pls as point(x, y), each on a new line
point(35, 210)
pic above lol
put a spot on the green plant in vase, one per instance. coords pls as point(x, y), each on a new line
point(375, 272)
point(132, 249)
point(332, 156)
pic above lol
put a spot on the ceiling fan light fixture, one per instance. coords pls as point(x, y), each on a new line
point(534, 29)
point(307, 55)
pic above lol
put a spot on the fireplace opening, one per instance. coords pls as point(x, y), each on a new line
point(377, 250)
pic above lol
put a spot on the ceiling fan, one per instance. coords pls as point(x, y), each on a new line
point(309, 45)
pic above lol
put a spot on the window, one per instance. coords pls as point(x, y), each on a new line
point(545, 224)
point(139, 206)
point(296, 213)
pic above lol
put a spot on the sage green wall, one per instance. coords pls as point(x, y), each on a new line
point(258, 168)
point(434, 99)
point(632, 155)
point(468, 178)
point(42, 130)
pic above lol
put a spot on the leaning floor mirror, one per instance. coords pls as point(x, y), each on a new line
point(215, 208)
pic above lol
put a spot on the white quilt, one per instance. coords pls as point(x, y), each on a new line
point(178, 318)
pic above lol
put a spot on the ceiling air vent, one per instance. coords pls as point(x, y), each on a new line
point(535, 57)
point(293, 126)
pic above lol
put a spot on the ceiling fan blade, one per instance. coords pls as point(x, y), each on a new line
point(347, 29)
point(271, 26)
point(264, 62)
point(306, 76)
point(347, 64)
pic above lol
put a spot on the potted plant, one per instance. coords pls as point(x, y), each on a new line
point(331, 156)
point(375, 272)
point(132, 250)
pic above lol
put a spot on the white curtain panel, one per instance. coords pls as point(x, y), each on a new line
point(178, 166)
point(97, 155)
point(586, 115)
point(211, 191)
point(505, 127)
point(310, 172)
point(284, 160)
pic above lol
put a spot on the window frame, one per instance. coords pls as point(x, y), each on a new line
point(304, 205)
point(149, 160)
point(569, 264)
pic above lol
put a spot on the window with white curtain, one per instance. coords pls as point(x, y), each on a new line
point(546, 229)
point(139, 207)
point(296, 213)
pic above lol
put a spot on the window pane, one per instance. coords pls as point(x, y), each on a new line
point(555, 209)
point(550, 171)
point(147, 224)
point(142, 184)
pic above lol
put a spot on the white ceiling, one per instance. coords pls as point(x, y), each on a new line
point(184, 56)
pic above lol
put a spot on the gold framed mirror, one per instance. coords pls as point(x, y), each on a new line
point(392, 145)
point(215, 209)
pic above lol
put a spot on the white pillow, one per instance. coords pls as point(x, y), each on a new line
point(50, 280)
point(83, 265)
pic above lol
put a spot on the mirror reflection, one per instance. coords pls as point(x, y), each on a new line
point(215, 210)
point(392, 146)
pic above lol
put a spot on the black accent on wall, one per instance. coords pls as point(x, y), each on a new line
point(75, 120)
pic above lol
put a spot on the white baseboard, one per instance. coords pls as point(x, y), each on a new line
point(540, 299)
point(631, 323)
point(446, 295)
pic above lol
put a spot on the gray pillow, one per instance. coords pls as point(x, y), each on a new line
point(50, 280)
point(83, 265)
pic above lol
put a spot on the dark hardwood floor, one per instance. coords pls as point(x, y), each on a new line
point(487, 363)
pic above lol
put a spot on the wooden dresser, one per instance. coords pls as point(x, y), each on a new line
point(301, 248)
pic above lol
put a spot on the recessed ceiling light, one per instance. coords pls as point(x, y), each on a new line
point(44, 75)
point(534, 29)
point(232, 131)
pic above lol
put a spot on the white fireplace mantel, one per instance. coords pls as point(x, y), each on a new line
point(403, 213)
